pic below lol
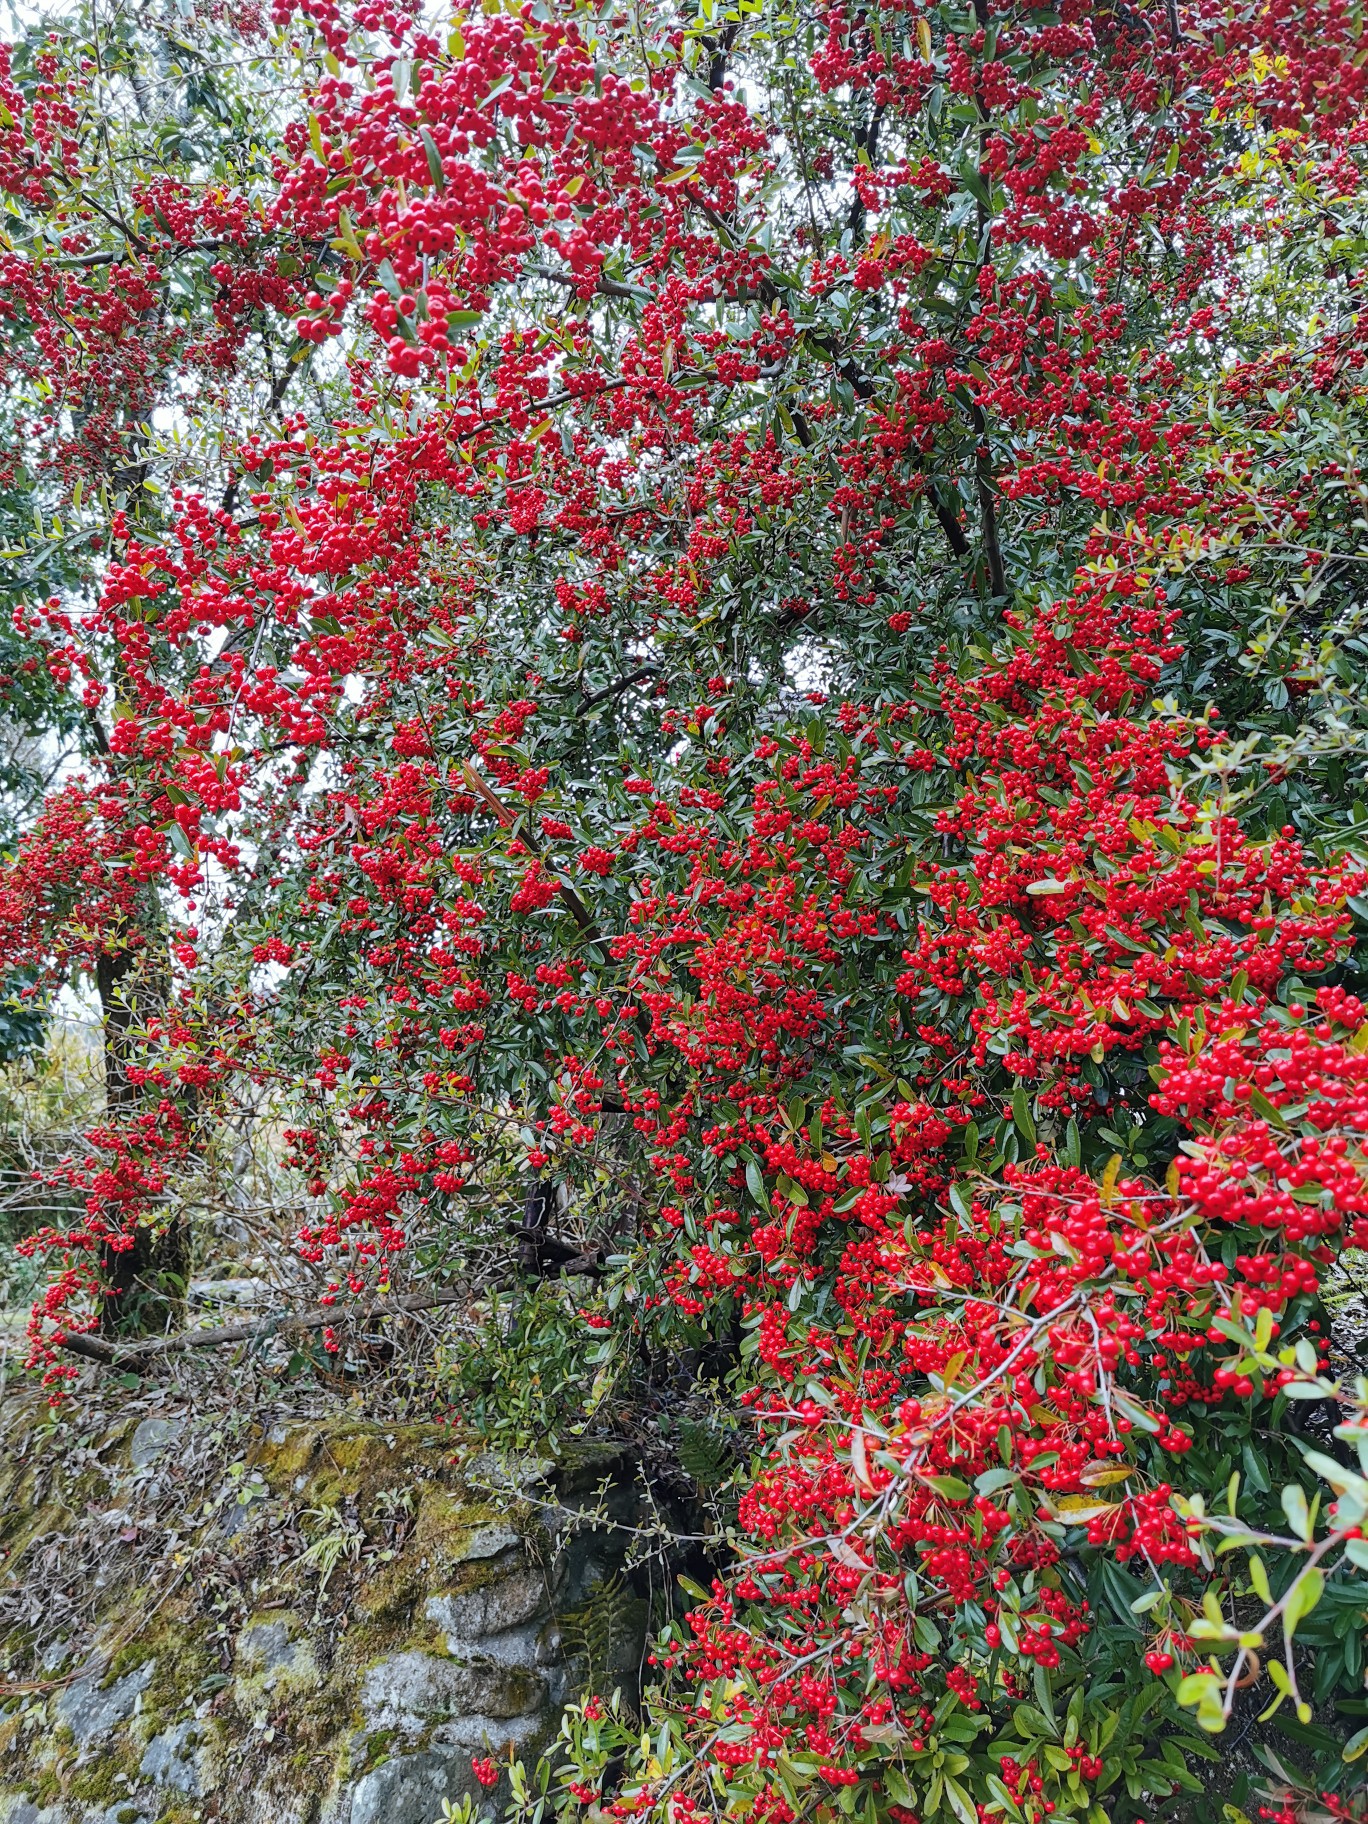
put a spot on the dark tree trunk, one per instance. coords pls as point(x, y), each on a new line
point(146, 1282)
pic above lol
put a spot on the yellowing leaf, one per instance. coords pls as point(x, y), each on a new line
point(1080, 1508)
point(1109, 1178)
point(346, 236)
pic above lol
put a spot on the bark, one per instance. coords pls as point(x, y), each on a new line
point(114, 1355)
point(146, 1282)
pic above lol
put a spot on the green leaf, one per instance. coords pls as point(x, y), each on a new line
point(1031, 1722)
point(960, 1802)
point(951, 1487)
point(346, 236)
point(1265, 1110)
point(1258, 1577)
point(434, 161)
point(1021, 1114)
point(974, 184)
point(993, 1479)
point(1294, 1506)
point(1305, 1593)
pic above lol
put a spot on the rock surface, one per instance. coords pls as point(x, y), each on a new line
point(353, 1697)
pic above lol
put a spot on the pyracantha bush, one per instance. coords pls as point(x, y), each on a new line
point(757, 623)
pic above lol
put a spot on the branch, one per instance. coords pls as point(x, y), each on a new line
point(115, 1355)
point(954, 532)
point(109, 257)
point(863, 387)
point(608, 288)
point(846, 366)
point(983, 486)
point(136, 246)
point(581, 914)
point(280, 385)
point(602, 696)
point(543, 1254)
point(866, 141)
point(721, 50)
point(97, 733)
point(569, 398)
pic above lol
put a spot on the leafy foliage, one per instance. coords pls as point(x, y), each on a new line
point(737, 688)
point(594, 1634)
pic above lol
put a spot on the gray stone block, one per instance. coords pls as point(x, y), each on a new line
point(151, 1439)
point(92, 1712)
point(407, 1790)
point(411, 1691)
point(501, 1604)
point(179, 1758)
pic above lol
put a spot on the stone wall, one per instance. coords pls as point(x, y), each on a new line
point(332, 1645)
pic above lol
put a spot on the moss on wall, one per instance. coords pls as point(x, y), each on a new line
point(362, 1603)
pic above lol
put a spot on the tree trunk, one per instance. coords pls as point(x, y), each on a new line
point(146, 1282)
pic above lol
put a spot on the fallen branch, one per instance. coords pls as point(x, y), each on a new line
point(114, 1355)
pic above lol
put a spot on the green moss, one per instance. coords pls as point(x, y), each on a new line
point(104, 1780)
point(377, 1748)
point(184, 1661)
point(256, 1692)
point(526, 1686)
point(317, 1465)
point(583, 1463)
point(380, 1472)
point(40, 1493)
point(323, 1717)
point(439, 1555)
point(447, 1531)
point(53, 1771)
point(47, 1789)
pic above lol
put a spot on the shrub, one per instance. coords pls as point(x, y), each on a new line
point(737, 720)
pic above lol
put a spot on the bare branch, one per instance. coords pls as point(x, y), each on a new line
point(118, 1355)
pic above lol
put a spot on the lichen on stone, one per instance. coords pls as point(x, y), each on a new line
point(244, 1680)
